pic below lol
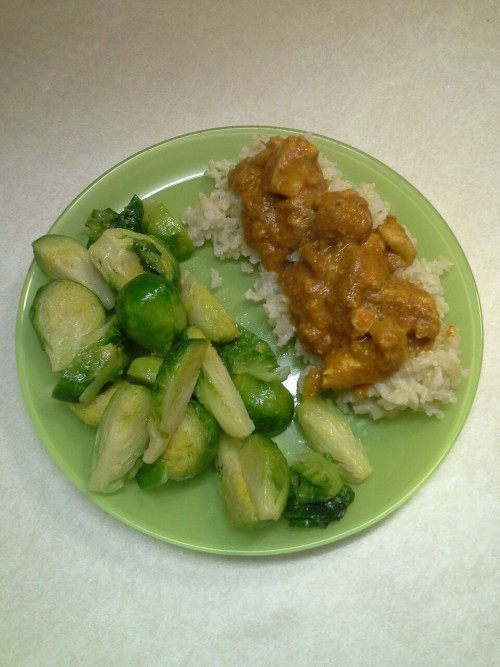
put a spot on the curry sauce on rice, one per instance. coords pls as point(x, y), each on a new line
point(341, 270)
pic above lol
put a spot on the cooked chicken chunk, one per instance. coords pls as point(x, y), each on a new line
point(402, 252)
point(343, 215)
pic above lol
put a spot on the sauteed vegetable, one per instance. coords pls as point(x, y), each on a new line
point(145, 353)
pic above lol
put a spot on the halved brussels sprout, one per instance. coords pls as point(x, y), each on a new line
point(63, 314)
point(189, 451)
point(254, 479)
point(162, 223)
point(234, 489)
point(62, 257)
point(194, 444)
point(91, 413)
point(328, 431)
point(217, 392)
point(121, 438)
point(204, 311)
point(100, 361)
point(172, 392)
point(120, 255)
point(265, 470)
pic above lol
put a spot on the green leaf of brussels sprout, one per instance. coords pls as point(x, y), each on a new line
point(250, 354)
point(315, 477)
point(318, 514)
point(101, 220)
point(156, 258)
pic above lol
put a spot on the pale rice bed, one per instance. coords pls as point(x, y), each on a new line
point(424, 383)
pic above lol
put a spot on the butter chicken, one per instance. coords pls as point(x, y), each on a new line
point(347, 302)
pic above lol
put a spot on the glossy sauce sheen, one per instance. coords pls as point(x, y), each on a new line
point(346, 301)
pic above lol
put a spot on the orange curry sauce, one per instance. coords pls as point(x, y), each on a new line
point(346, 301)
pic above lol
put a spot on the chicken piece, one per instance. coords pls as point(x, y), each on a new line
point(411, 307)
point(312, 317)
point(355, 365)
point(391, 340)
point(293, 167)
point(278, 186)
point(402, 252)
point(364, 271)
point(311, 385)
point(362, 320)
point(342, 216)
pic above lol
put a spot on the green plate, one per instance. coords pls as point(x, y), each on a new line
point(404, 451)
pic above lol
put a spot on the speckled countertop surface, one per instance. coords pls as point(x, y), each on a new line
point(86, 84)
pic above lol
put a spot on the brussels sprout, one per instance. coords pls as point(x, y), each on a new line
point(217, 392)
point(250, 354)
point(318, 494)
point(328, 431)
point(160, 222)
point(315, 477)
point(152, 475)
point(172, 392)
point(254, 479)
point(62, 257)
point(234, 489)
point(121, 438)
point(194, 444)
point(91, 413)
point(190, 450)
point(265, 471)
point(145, 369)
point(269, 404)
point(100, 220)
point(155, 257)
point(114, 258)
point(120, 255)
point(205, 311)
point(318, 514)
point(96, 364)
point(150, 312)
point(63, 314)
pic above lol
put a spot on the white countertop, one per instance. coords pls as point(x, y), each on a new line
point(86, 84)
